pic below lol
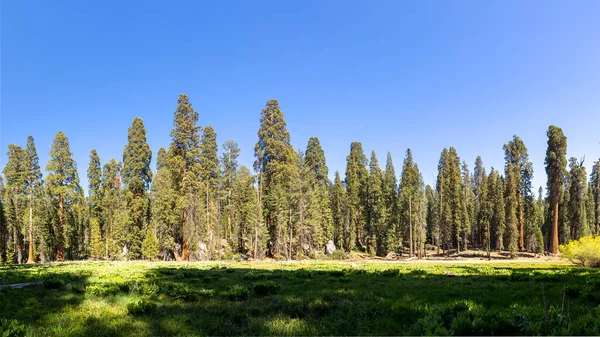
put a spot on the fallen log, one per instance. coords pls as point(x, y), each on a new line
point(22, 285)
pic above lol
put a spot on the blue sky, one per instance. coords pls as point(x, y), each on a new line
point(390, 74)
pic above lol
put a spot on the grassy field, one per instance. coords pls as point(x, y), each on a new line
point(300, 298)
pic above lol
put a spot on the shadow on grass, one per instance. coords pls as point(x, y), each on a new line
point(477, 300)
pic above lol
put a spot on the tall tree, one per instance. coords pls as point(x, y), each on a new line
point(339, 207)
point(33, 184)
point(451, 199)
point(184, 163)
point(390, 196)
point(595, 191)
point(113, 211)
point(250, 233)
point(275, 163)
point(576, 208)
point(356, 182)
point(209, 176)
point(409, 195)
point(511, 234)
point(516, 156)
point(230, 165)
point(555, 169)
point(375, 209)
point(137, 176)
point(497, 209)
point(63, 185)
point(14, 171)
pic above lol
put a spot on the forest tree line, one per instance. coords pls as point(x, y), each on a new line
point(199, 206)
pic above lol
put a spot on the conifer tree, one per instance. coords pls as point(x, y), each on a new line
point(451, 199)
point(275, 163)
point(113, 211)
point(94, 174)
point(511, 234)
point(409, 195)
point(3, 229)
point(479, 176)
point(595, 191)
point(339, 207)
point(356, 182)
point(555, 169)
point(136, 176)
point(150, 246)
point(209, 176)
point(230, 165)
point(375, 209)
point(184, 164)
point(63, 186)
point(166, 211)
point(390, 196)
point(319, 213)
point(515, 154)
point(15, 195)
point(33, 184)
point(161, 159)
point(576, 208)
point(96, 245)
point(498, 212)
point(250, 231)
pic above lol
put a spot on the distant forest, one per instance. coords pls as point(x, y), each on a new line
point(199, 206)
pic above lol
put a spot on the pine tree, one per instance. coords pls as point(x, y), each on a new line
point(451, 199)
point(250, 231)
point(3, 229)
point(390, 196)
point(184, 164)
point(230, 165)
point(480, 192)
point(375, 209)
point(511, 234)
point(595, 191)
point(576, 208)
point(275, 163)
point(136, 177)
point(468, 206)
point(113, 211)
point(166, 211)
point(555, 169)
point(515, 154)
point(356, 182)
point(209, 176)
point(63, 185)
point(161, 159)
point(150, 246)
point(409, 195)
point(33, 184)
point(15, 195)
point(339, 211)
point(319, 214)
point(497, 208)
point(96, 244)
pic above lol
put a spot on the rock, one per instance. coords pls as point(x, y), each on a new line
point(330, 247)
point(391, 255)
point(125, 251)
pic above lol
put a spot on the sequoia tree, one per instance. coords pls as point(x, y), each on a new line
point(555, 162)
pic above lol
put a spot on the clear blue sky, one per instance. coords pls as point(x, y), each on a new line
point(391, 74)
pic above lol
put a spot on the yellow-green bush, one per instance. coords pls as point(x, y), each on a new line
point(584, 252)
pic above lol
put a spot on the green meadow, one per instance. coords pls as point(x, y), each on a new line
point(300, 298)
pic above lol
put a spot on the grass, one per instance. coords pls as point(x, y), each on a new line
point(300, 298)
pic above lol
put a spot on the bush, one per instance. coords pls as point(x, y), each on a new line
point(140, 307)
point(266, 288)
point(237, 293)
point(584, 252)
point(339, 254)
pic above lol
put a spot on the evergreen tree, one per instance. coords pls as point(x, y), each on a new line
point(319, 213)
point(555, 169)
point(3, 229)
point(113, 211)
point(33, 184)
point(576, 208)
point(497, 208)
point(136, 176)
point(339, 207)
point(184, 164)
point(390, 199)
point(94, 174)
point(409, 195)
point(150, 246)
point(230, 165)
point(166, 211)
point(375, 209)
point(595, 199)
point(63, 186)
point(356, 181)
point(250, 230)
point(209, 176)
point(275, 163)
point(161, 159)
point(15, 195)
point(511, 234)
point(480, 192)
point(515, 154)
point(451, 199)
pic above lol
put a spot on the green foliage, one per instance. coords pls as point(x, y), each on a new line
point(266, 288)
point(584, 252)
point(141, 307)
point(150, 246)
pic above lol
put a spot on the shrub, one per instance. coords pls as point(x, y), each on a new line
point(12, 328)
point(339, 254)
point(584, 252)
point(266, 288)
point(141, 307)
point(237, 293)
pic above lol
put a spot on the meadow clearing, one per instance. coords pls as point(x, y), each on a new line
point(301, 298)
